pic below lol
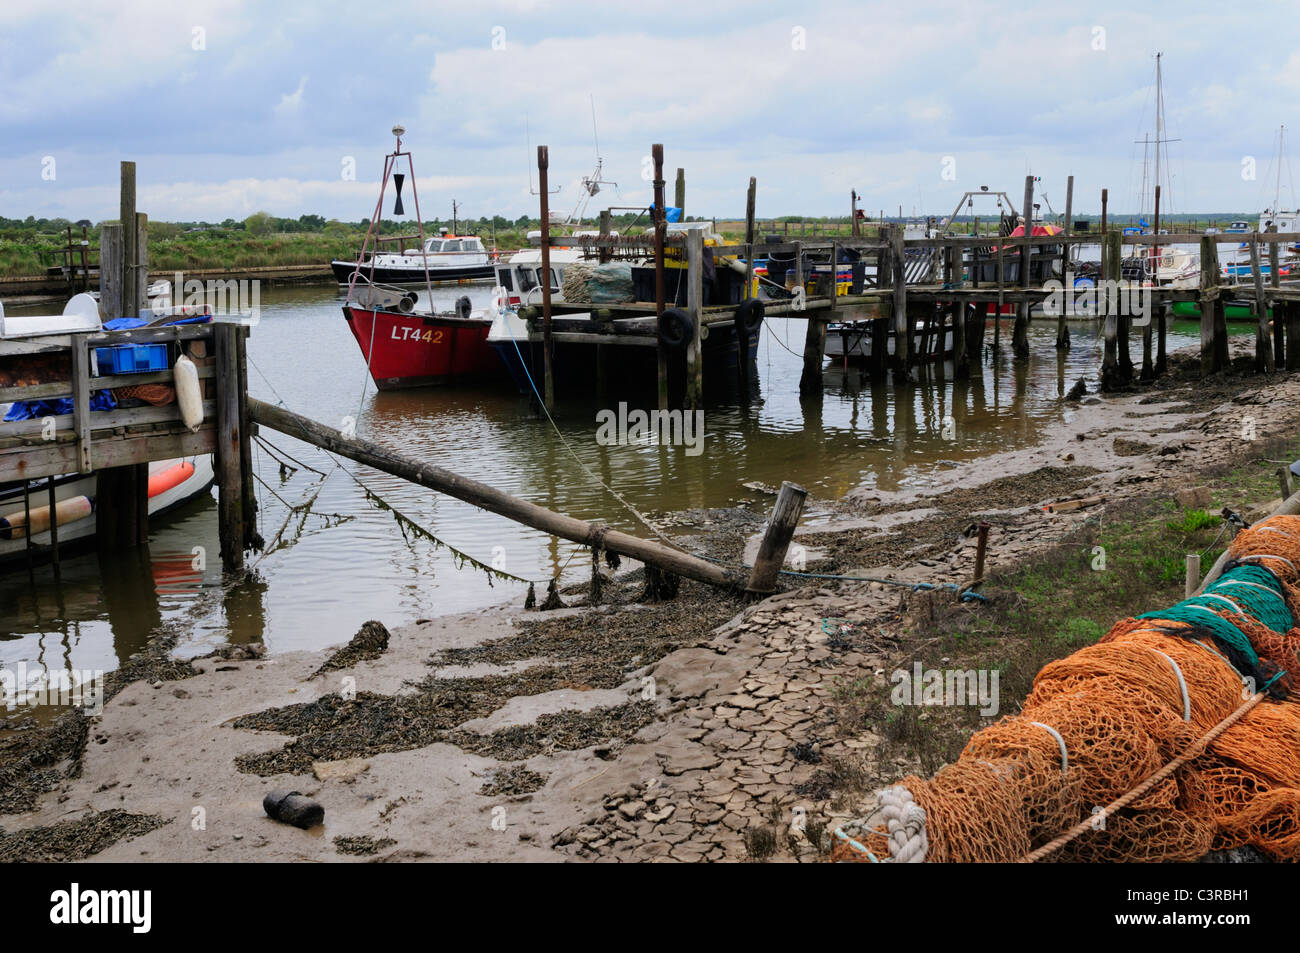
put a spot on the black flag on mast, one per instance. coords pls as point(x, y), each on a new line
point(398, 178)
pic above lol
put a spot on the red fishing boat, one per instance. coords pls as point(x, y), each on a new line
point(416, 350)
point(404, 347)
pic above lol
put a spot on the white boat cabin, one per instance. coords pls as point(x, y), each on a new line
point(521, 276)
point(1286, 221)
point(444, 251)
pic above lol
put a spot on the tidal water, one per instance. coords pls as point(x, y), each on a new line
point(339, 556)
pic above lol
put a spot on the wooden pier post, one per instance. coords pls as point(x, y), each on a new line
point(1020, 335)
point(880, 325)
point(1062, 329)
point(1214, 325)
point(814, 342)
point(1263, 339)
point(606, 253)
point(1291, 309)
point(111, 259)
point(543, 162)
point(230, 473)
point(695, 307)
point(902, 319)
point(1110, 270)
point(957, 311)
point(1275, 281)
point(776, 538)
point(129, 238)
point(1148, 366)
point(1192, 576)
point(742, 336)
point(679, 192)
point(661, 227)
point(54, 524)
point(252, 539)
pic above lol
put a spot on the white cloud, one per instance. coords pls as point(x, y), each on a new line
point(290, 104)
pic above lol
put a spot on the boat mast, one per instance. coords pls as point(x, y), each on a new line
point(1277, 189)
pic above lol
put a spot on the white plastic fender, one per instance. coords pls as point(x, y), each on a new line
point(188, 393)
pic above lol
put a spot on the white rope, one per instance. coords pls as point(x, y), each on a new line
point(1065, 758)
point(905, 823)
point(1182, 684)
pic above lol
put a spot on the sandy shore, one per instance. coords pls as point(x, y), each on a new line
point(619, 732)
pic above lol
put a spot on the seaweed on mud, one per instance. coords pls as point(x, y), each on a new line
point(937, 534)
point(370, 642)
point(77, 839)
point(511, 780)
point(579, 651)
point(362, 845)
point(562, 731)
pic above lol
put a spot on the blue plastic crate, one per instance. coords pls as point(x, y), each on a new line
point(132, 358)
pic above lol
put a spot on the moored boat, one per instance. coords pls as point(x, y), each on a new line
point(172, 483)
point(404, 347)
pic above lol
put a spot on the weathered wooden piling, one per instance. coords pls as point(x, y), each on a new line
point(776, 538)
point(230, 442)
point(1020, 333)
point(902, 317)
point(1214, 323)
point(1275, 281)
point(679, 192)
point(1062, 330)
point(111, 273)
point(742, 334)
point(1111, 251)
point(1292, 348)
point(661, 229)
point(695, 308)
point(1148, 364)
point(1263, 336)
point(130, 275)
point(548, 353)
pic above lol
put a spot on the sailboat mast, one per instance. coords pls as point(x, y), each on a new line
point(1277, 189)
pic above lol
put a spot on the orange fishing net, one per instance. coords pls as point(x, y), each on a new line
point(1103, 720)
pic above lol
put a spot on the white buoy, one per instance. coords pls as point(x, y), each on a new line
point(188, 393)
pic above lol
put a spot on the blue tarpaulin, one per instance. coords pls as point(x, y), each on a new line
point(32, 409)
point(670, 214)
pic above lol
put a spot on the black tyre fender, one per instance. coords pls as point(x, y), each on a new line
point(749, 316)
point(676, 329)
point(464, 307)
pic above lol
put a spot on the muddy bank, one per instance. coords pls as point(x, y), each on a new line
point(699, 728)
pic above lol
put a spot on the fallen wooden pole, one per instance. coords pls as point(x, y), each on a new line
point(489, 497)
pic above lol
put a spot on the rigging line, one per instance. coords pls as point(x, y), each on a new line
point(406, 520)
point(278, 398)
point(270, 446)
point(632, 509)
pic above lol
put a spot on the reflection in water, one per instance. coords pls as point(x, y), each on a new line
point(342, 558)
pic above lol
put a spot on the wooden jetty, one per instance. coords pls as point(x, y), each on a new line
point(922, 286)
point(117, 445)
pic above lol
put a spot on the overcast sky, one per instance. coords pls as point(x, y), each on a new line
point(231, 107)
